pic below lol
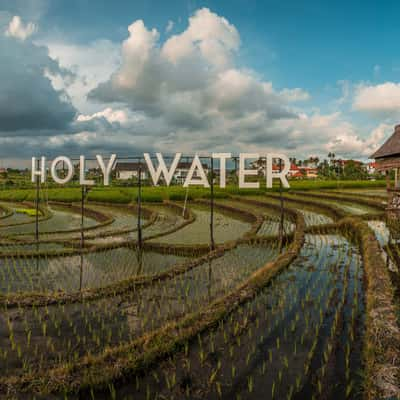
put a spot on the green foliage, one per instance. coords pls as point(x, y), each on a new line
point(353, 170)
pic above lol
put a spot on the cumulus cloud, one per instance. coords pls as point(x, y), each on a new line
point(208, 35)
point(352, 145)
point(19, 30)
point(189, 88)
point(91, 63)
point(28, 101)
point(379, 100)
point(186, 93)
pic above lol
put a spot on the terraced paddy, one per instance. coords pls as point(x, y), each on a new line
point(226, 229)
point(99, 269)
point(305, 320)
point(297, 316)
point(60, 220)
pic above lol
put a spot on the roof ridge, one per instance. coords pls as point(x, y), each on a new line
point(391, 146)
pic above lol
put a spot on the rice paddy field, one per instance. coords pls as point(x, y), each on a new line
point(267, 296)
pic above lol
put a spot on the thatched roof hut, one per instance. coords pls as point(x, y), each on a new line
point(387, 158)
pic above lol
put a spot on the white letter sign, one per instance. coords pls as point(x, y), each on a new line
point(243, 172)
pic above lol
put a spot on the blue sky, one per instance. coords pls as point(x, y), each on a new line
point(316, 76)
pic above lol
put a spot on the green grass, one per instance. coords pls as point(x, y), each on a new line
point(112, 195)
point(64, 195)
point(13, 195)
point(124, 195)
point(335, 184)
point(28, 211)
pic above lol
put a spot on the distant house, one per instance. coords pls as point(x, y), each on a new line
point(294, 171)
point(309, 172)
point(183, 169)
point(129, 170)
point(95, 172)
point(371, 168)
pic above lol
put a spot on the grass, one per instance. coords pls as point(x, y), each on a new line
point(115, 194)
point(28, 211)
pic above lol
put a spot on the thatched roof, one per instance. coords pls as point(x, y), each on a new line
point(391, 147)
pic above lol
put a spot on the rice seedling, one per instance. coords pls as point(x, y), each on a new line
point(299, 336)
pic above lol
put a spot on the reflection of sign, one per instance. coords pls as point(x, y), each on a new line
point(195, 176)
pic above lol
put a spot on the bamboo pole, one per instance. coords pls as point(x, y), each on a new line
point(281, 221)
point(82, 236)
point(37, 216)
point(212, 242)
point(139, 220)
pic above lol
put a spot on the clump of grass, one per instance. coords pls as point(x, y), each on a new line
point(150, 198)
point(180, 196)
point(28, 211)
point(14, 195)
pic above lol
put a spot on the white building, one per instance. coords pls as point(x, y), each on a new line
point(183, 169)
point(371, 168)
point(129, 170)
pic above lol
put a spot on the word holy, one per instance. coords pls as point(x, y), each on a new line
point(196, 174)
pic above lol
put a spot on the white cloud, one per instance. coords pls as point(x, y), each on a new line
point(186, 93)
point(382, 99)
point(16, 28)
point(294, 95)
point(169, 27)
point(208, 36)
point(350, 144)
point(92, 64)
point(121, 116)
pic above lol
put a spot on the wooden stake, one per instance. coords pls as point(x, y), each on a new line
point(212, 243)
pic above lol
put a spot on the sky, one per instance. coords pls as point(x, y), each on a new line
point(302, 78)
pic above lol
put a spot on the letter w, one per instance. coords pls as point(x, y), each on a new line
point(162, 168)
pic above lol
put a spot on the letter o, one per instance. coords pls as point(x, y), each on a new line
point(70, 169)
